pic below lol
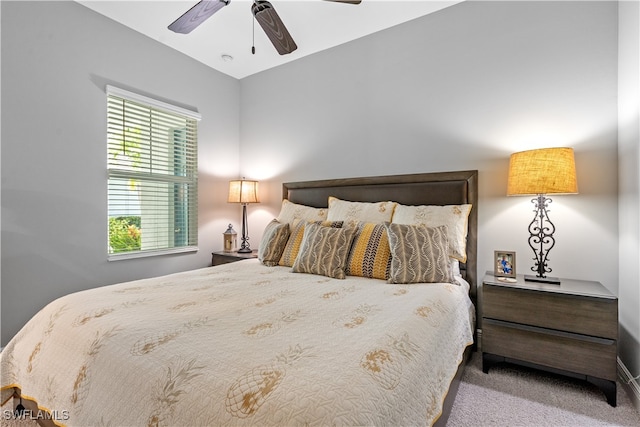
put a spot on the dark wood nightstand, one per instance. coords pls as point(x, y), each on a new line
point(222, 257)
point(570, 329)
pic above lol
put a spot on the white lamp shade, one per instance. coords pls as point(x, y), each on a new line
point(243, 191)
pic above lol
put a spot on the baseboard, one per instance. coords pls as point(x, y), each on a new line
point(631, 385)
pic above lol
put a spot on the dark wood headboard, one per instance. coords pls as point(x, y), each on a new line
point(439, 188)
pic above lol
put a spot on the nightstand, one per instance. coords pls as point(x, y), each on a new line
point(222, 257)
point(570, 329)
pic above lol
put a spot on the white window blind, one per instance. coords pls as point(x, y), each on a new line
point(153, 170)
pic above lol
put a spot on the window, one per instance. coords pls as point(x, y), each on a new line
point(153, 176)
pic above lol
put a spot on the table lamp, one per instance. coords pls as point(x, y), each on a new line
point(541, 172)
point(245, 192)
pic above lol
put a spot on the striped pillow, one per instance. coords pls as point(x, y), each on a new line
point(419, 254)
point(295, 240)
point(324, 251)
point(274, 239)
point(370, 255)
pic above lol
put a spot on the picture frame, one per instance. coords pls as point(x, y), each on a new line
point(504, 263)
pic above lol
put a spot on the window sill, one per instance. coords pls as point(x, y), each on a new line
point(150, 253)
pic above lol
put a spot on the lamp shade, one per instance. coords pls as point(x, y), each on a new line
point(243, 191)
point(543, 171)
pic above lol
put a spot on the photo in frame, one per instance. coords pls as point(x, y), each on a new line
point(504, 264)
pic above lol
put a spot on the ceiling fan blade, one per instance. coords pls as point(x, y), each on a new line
point(197, 15)
point(274, 28)
point(346, 1)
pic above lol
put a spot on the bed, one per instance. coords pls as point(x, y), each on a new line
point(250, 344)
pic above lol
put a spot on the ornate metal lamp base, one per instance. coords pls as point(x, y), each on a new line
point(244, 246)
point(541, 231)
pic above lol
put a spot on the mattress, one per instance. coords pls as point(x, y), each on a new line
point(244, 344)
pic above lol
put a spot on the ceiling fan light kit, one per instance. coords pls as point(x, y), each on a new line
point(262, 10)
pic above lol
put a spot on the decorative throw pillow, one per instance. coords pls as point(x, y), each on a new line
point(455, 217)
point(324, 251)
point(354, 212)
point(289, 212)
point(274, 239)
point(292, 247)
point(419, 254)
point(370, 255)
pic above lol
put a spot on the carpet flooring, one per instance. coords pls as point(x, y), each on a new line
point(513, 396)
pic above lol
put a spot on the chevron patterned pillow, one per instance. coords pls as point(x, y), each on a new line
point(370, 255)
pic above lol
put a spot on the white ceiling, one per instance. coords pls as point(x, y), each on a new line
point(315, 25)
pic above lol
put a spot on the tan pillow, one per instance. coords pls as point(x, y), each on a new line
point(274, 239)
point(419, 254)
point(370, 255)
point(455, 217)
point(324, 251)
point(354, 212)
point(290, 212)
point(292, 247)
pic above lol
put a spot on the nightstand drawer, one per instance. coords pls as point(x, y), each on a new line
point(573, 313)
point(571, 352)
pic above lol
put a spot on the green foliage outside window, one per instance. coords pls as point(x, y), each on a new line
point(124, 233)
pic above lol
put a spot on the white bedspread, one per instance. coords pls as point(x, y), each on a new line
point(244, 344)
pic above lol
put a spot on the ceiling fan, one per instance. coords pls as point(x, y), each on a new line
point(263, 11)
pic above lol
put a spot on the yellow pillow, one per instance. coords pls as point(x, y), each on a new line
point(370, 255)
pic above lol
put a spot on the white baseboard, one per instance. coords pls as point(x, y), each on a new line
point(632, 386)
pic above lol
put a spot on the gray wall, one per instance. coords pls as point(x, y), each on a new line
point(459, 89)
point(489, 78)
point(56, 59)
point(629, 183)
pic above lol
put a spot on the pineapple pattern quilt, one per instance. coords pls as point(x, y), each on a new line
point(244, 344)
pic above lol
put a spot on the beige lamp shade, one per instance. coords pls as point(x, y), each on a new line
point(243, 191)
point(543, 171)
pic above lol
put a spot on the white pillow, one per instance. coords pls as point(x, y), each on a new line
point(354, 212)
point(455, 217)
point(289, 212)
